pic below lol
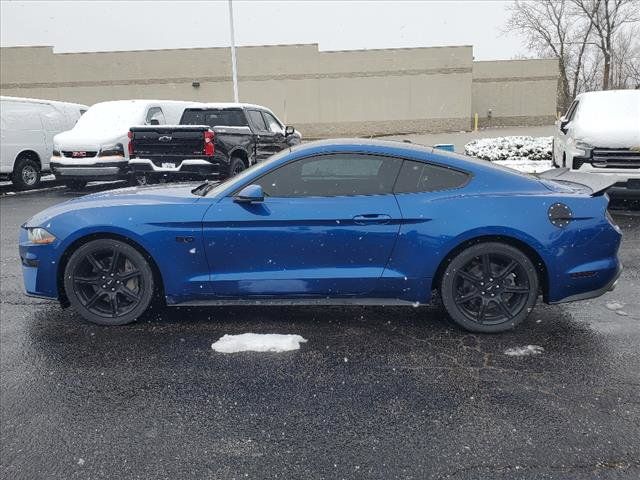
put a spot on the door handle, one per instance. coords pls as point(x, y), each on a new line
point(369, 218)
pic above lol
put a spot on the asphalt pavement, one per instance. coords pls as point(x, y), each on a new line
point(378, 392)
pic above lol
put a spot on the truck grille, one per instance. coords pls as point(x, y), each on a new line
point(615, 158)
point(78, 154)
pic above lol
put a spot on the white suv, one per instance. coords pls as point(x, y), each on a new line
point(600, 134)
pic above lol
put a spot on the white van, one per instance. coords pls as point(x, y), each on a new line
point(97, 148)
point(28, 126)
point(600, 134)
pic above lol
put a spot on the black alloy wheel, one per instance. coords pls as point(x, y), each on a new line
point(109, 282)
point(490, 287)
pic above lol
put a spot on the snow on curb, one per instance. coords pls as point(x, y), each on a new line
point(257, 342)
point(524, 351)
point(510, 148)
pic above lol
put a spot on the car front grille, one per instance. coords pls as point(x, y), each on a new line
point(615, 158)
point(78, 154)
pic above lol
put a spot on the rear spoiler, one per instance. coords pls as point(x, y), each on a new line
point(596, 182)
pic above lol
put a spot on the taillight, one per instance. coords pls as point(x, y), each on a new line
point(209, 148)
point(130, 143)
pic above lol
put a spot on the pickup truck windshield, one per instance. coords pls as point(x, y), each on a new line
point(214, 117)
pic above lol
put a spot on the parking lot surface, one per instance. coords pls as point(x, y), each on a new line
point(375, 392)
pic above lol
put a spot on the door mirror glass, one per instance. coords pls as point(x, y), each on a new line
point(289, 130)
point(250, 194)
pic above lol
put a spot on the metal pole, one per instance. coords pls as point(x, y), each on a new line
point(234, 67)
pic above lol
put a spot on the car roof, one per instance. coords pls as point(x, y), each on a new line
point(401, 149)
point(223, 105)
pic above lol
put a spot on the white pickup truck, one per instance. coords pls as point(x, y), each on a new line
point(600, 135)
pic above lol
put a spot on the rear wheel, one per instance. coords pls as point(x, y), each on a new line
point(109, 282)
point(489, 287)
point(236, 166)
point(75, 184)
point(26, 173)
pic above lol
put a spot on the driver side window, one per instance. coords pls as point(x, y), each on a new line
point(338, 174)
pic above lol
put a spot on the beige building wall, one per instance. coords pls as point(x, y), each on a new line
point(367, 92)
point(516, 92)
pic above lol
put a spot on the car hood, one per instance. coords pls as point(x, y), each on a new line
point(609, 134)
point(120, 198)
point(81, 139)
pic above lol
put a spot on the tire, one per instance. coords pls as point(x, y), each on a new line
point(104, 293)
point(139, 180)
point(236, 166)
point(489, 287)
point(26, 173)
point(75, 184)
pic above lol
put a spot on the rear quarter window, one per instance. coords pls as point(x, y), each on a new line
point(418, 177)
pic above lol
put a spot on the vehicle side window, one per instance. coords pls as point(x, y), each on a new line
point(571, 112)
point(256, 120)
point(339, 174)
point(424, 177)
point(272, 123)
point(155, 113)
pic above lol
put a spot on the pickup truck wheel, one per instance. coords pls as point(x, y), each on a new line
point(75, 184)
point(139, 180)
point(236, 166)
point(26, 173)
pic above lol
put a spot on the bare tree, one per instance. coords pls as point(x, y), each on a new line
point(607, 18)
point(553, 29)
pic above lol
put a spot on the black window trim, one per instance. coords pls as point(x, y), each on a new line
point(402, 158)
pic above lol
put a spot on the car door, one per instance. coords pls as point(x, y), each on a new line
point(327, 227)
point(275, 127)
point(562, 132)
point(266, 141)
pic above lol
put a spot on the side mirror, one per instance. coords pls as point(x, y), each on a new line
point(154, 121)
point(564, 121)
point(289, 130)
point(250, 194)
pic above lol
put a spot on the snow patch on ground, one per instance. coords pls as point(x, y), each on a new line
point(614, 305)
point(258, 342)
point(523, 153)
point(524, 351)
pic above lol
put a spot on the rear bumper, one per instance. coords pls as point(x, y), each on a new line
point(611, 285)
point(187, 166)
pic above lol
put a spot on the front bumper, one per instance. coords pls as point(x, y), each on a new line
point(39, 268)
point(99, 168)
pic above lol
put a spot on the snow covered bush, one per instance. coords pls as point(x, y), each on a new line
point(510, 148)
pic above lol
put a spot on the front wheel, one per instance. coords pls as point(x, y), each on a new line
point(489, 287)
point(109, 282)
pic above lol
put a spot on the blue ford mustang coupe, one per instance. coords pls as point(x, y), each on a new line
point(333, 222)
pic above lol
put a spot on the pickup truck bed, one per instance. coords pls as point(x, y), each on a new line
point(181, 149)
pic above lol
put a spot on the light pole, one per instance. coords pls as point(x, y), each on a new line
point(234, 67)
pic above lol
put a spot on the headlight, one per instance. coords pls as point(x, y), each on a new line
point(39, 236)
point(585, 147)
point(112, 150)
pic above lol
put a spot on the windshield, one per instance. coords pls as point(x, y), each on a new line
point(236, 181)
point(620, 107)
point(112, 116)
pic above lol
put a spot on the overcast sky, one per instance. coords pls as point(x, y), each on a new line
point(81, 26)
